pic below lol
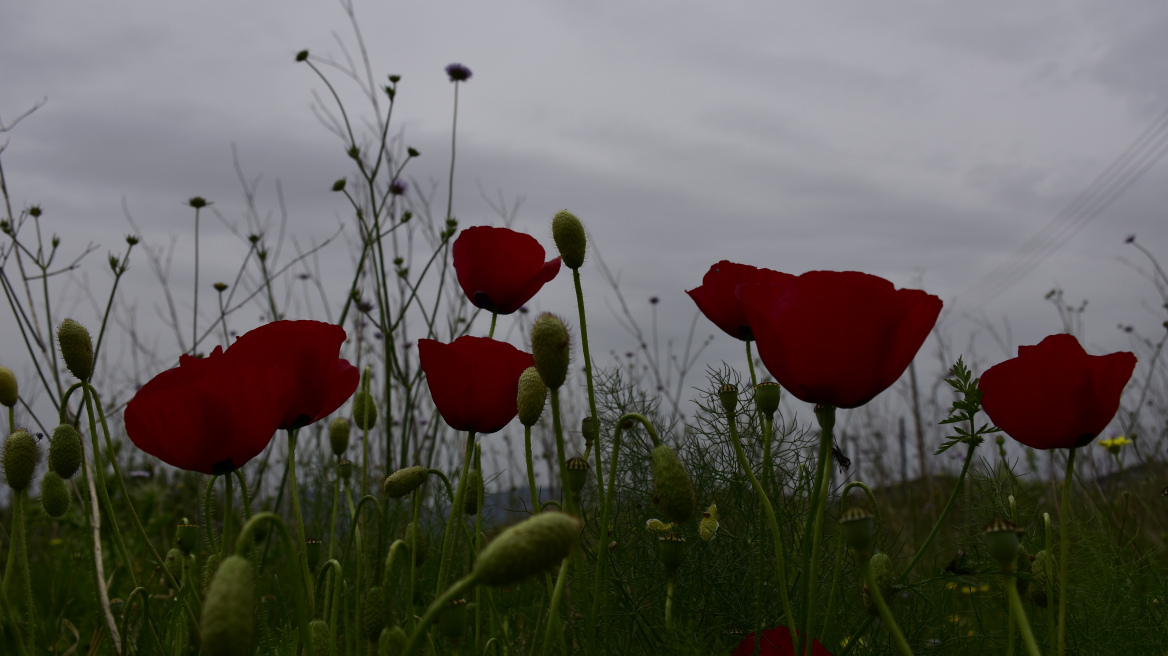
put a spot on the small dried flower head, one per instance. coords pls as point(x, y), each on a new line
point(34, 211)
point(458, 73)
point(339, 185)
point(412, 152)
point(302, 55)
point(8, 389)
point(1002, 539)
point(132, 240)
point(21, 454)
point(220, 287)
point(398, 187)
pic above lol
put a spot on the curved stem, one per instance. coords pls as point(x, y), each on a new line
point(413, 559)
point(246, 538)
point(885, 614)
point(455, 510)
point(588, 377)
point(1019, 615)
point(1064, 550)
point(553, 611)
point(436, 607)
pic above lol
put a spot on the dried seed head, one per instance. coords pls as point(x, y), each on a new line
point(76, 348)
point(186, 536)
point(766, 397)
point(21, 454)
point(673, 490)
point(452, 619)
point(404, 481)
point(577, 474)
point(571, 241)
point(532, 396)
point(859, 529)
point(590, 428)
point(54, 494)
point(527, 548)
point(671, 551)
point(728, 395)
point(345, 468)
point(1002, 541)
point(65, 451)
point(312, 550)
point(227, 623)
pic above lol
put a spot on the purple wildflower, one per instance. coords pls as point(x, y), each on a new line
point(458, 73)
point(398, 187)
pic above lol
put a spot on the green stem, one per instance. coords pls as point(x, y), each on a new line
point(22, 544)
point(588, 377)
point(1048, 544)
point(209, 516)
point(530, 470)
point(494, 318)
point(436, 607)
point(839, 556)
point(557, 428)
point(301, 547)
point(10, 615)
point(553, 611)
point(246, 538)
point(455, 511)
point(413, 559)
point(1019, 615)
point(825, 414)
point(669, 603)
point(1064, 550)
point(885, 614)
point(228, 511)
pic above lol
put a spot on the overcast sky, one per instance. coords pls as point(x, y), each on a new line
point(923, 142)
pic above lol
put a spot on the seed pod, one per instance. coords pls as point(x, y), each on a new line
point(527, 548)
point(452, 619)
point(339, 436)
point(404, 481)
point(571, 240)
point(577, 474)
point(766, 397)
point(590, 428)
point(54, 494)
point(881, 566)
point(76, 348)
point(859, 529)
point(671, 551)
point(550, 348)
point(312, 549)
point(345, 469)
point(65, 451)
point(174, 563)
point(375, 612)
point(227, 622)
point(728, 395)
point(364, 410)
point(532, 396)
point(186, 536)
point(474, 491)
point(318, 632)
point(414, 536)
point(392, 642)
point(21, 454)
point(1002, 541)
point(8, 390)
point(673, 490)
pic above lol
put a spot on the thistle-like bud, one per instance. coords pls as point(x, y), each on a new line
point(708, 527)
point(527, 548)
point(417, 541)
point(671, 551)
point(533, 394)
point(550, 348)
point(728, 395)
point(76, 348)
point(375, 612)
point(571, 241)
point(766, 397)
point(312, 549)
point(392, 642)
point(452, 619)
point(54, 494)
point(673, 490)
point(345, 469)
point(339, 436)
point(404, 481)
point(859, 529)
point(8, 390)
point(1040, 585)
point(318, 632)
point(1002, 541)
point(364, 410)
point(577, 474)
point(590, 428)
point(881, 566)
point(174, 563)
point(474, 491)
point(21, 454)
point(186, 536)
point(65, 451)
point(227, 624)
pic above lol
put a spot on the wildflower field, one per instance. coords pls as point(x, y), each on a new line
point(312, 487)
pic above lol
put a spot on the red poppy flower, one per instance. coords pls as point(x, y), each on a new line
point(1054, 395)
point(775, 642)
point(474, 381)
point(306, 354)
point(837, 338)
point(209, 415)
point(716, 299)
point(500, 269)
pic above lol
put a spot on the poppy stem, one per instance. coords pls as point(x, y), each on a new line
point(1018, 616)
point(885, 614)
point(669, 603)
point(416, 528)
point(553, 611)
point(557, 427)
point(494, 318)
point(302, 547)
point(436, 607)
point(1064, 550)
point(227, 517)
point(530, 470)
point(1048, 544)
point(455, 513)
point(825, 414)
point(588, 377)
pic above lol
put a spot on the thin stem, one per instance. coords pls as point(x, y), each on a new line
point(195, 312)
point(825, 414)
point(1064, 550)
point(557, 428)
point(553, 610)
point(436, 607)
point(22, 538)
point(885, 614)
point(494, 318)
point(455, 510)
point(228, 511)
point(300, 547)
point(588, 376)
point(531, 470)
point(1048, 544)
point(669, 603)
point(1018, 614)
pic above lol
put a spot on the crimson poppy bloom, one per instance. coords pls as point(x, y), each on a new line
point(1054, 395)
point(775, 642)
point(474, 381)
point(306, 354)
point(837, 338)
point(500, 269)
point(209, 415)
point(716, 299)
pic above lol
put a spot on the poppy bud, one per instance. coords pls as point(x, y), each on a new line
point(532, 396)
point(227, 625)
point(550, 349)
point(392, 642)
point(671, 551)
point(1040, 586)
point(527, 548)
point(339, 436)
point(8, 395)
point(375, 612)
point(577, 474)
point(65, 451)
point(364, 410)
point(174, 563)
point(415, 536)
point(881, 567)
point(1002, 541)
point(859, 529)
point(766, 397)
point(452, 619)
point(76, 348)
point(312, 552)
point(54, 494)
point(673, 490)
point(474, 491)
point(21, 454)
point(318, 632)
point(186, 536)
point(591, 430)
point(404, 481)
point(210, 566)
point(728, 395)
point(570, 239)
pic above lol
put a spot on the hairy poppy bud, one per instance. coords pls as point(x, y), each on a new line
point(210, 566)
point(312, 549)
point(474, 491)
point(527, 548)
point(859, 529)
point(568, 232)
point(174, 563)
point(452, 619)
point(590, 428)
point(673, 490)
point(550, 349)
point(766, 397)
point(392, 642)
point(728, 395)
point(671, 551)
point(532, 397)
point(76, 348)
point(318, 632)
point(364, 410)
point(8, 395)
point(54, 494)
point(339, 436)
point(375, 612)
point(227, 624)
point(417, 541)
point(881, 566)
point(21, 454)
point(1002, 541)
point(577, 474)
point(186, 536)
point(404, 481)
point(65, 451)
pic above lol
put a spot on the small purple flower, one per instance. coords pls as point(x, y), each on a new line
point(398, 187)
point(458, 73)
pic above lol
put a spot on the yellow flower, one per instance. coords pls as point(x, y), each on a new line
point(1114, 444)
point(708, 527)
point(658, 526)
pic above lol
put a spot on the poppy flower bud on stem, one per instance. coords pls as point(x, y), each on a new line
point(375, 612)
point(673, 489)
point(21, 454)
point(404, 481)
point(339, 436)
point(227, 624)
point(590, 428)
point(533, 393)
point(571, 240)
point(392, 642)
point(550, 348)
point(364, 410)
point(65, 451)
point(529, 547)
point(321, 638)
point(8, 389)
point(76, 348)
point(54, 494)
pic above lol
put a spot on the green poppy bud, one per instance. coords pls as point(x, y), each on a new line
point(529, 547)
point(174, 563)
point(65, 451)
point(474, 491)
point(881, 566)
point(312, 549)
point(418, 541)
point(8, 391)
point(577, 474)
point(859, 529)
point(318, 632)
point(1002, 541)
point(728, 395)
point(590, 428)
point(568, 233)
point(76, 348)
point(766, 397)
point(1040, 585)
point(673, 490)
point(671, 551)
point(532, 396)
point(550, 348)
point(339, 436)
point(54, 494)
point(21, 454)
point(392, 642)
point(210, 566)
point(452, 619)
point(186, 536)
point(227, 623)
point(375, 612)
point(364, 410)
point(404, 481)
